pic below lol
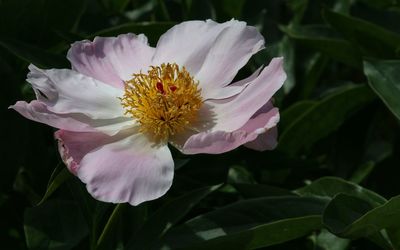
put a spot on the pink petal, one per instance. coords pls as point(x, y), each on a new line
point(123, 168)
point(74, 146)
point(231, 50)
point(265, 141)
point(37, 111)
point(65, 91)
point(187, 44)
point(232, 113)
point(213, 52)
point(111, 59)
point(230, 90)
point(259, 132)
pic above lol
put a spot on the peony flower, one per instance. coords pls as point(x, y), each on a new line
point(123, 101)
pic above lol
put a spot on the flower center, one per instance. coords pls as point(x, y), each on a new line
point(165, 101)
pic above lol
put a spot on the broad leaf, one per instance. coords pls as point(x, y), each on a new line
point(320, 38)
point(260, 190)
point(371, 39)
point(329, 187)
point(164, 218)
point(352, 217)
point(58, 177)
point(293, 112)
point(384, 79)
point(323, 118)
point(249, 224)
point(55, 224)
point(34, 55)
point(152, 30)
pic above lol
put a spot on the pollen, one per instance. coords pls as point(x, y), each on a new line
point(165, 101)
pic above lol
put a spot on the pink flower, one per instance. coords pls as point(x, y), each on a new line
point(124, 101)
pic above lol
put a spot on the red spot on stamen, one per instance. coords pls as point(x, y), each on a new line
point(160, 87)
point(173, 88)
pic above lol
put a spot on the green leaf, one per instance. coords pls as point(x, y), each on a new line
point(115, 6)
point(55, 224)
point(153, 31)
point(34, 55)
point(362, 172)
point(371, 39)
point(286, 49)
point(384, 79)
point(230, 8)
point(239, 174)
point(58, 177)
point(313, 73)
point(293, 112)
point(328, 241)
point(323, 118)
point(180, 162)
point(36, 22)
point(322, 39)
point(249, 224)
point(167, 216)
point(351, 217)
point(141, 11)
point(110, 226)
point(329, 187)
point(260, 190)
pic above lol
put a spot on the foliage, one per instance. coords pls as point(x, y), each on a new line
point(331, 184)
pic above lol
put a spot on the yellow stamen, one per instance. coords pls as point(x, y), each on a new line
point(165, 101)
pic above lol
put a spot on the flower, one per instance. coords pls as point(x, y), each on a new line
point(123, 101)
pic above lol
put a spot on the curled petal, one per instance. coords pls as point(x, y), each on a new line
point(126, 167)
point(37, 111)
point(213, 52)
point(111, 59)
point(230, 90)
point(262, 125)
point(65, 91)
point(232, 113)
point(264, 141)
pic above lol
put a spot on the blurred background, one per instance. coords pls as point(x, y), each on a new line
point(340, 110)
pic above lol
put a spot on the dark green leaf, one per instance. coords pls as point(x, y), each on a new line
point(293, 112)
point(313, 73)
point(34, 55)
point(372, 39)
point(264, 235)
point(110, 227)
point(321, 39)
point(55, 224)
point(59, 176)
point(323, 118)
point(260, 190)
point(384, 79)
point(328, 241)
point(362, 172)
point(239, 174)
point(152, 30)
point(352, 217)
point(286, 49)
point(36, 21)
point(168, 215)
point(115, 6)
point(331, 186)
point(249, 224)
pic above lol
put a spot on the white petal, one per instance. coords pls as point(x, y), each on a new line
point(232, 113)
point(65, 91)
point(111, 59)
point(212, 52)
point(131, 169)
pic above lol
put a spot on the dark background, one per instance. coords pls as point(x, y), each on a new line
point(339, 117)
